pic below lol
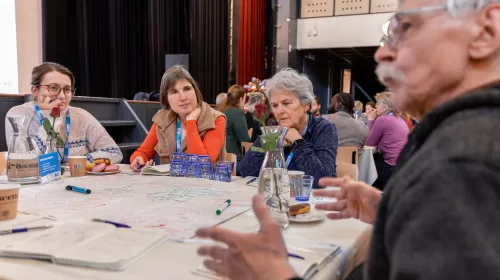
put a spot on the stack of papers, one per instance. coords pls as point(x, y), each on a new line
point(316, 255)
point(157, 170)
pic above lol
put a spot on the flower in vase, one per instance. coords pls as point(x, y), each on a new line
point(52, 134)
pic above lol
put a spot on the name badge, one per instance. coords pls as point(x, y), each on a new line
point(50, 167)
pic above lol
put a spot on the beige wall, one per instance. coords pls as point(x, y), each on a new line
point(29, 40)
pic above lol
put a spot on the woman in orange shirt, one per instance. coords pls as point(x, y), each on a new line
point(185, 124)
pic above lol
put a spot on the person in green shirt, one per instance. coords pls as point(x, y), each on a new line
point(236, 128)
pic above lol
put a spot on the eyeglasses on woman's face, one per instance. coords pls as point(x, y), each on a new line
point(55, 90)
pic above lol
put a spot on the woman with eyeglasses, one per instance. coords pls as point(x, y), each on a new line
point(52, 86)
point(184, 124)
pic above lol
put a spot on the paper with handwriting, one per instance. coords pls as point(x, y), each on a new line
point(177, 206)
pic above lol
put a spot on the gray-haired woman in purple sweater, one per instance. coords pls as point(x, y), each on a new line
point(313, 140)
point(389, 132)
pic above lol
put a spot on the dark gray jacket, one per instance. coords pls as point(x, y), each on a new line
point(439, 217)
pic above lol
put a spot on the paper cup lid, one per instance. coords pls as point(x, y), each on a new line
point(295, 172)
point(9, 186)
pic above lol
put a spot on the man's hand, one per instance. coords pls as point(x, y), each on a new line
point(355, 199)
point(259, 255)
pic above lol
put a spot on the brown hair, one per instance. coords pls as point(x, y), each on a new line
point(39, 72)
point(170, 78)
point(234, 94)
point(371, 104)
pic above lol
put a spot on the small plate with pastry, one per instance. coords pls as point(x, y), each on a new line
point(301, 213)
point(102, 166)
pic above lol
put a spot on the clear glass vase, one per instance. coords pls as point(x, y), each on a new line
point(51, 145)
point(273, 178)
point(22, 159)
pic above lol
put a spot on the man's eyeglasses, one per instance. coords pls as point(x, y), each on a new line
point(54, 90)
point(397, 28)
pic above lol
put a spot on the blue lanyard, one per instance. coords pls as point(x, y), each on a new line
point(290, 155)
point(179, 135)
point(68, 128)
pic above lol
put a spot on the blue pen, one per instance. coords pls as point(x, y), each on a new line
point(18, 230)
point(251, 181)
point(296, 256)
point(140, 166)
point(111, 223)
point(77, 189)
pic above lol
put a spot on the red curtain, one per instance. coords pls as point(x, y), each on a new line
point(251, 43)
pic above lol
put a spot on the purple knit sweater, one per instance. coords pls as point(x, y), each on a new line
point(389, 133)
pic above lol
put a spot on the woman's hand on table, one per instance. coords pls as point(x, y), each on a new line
point(259, 255)
point(355, 199)
point(138, 161)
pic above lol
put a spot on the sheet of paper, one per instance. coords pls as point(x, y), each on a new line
point(121, 244)
point(163, 169)
point(177, 206)
point(61, 237)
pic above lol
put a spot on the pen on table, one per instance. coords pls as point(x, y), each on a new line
point(251, 181)
point(223, 207)
point(77, 189)
point(208, 241)
point(26, 229)
point(111, 223)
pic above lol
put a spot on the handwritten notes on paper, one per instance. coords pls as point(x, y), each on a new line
point(177, 206)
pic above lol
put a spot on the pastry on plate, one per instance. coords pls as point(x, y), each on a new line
point(300, 209)
point(89, 166)
point(106, 161)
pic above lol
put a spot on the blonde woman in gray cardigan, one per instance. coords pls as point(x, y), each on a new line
point(52, 85)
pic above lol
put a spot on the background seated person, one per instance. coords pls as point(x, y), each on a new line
point(350, 131)
point(52, 86)
point(236, 128)
point(185, 124)
point(389, 132)
point(313, 141)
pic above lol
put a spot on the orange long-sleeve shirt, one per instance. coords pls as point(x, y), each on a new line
point(210, 145)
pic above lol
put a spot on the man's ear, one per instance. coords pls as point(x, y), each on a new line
point(486, 40)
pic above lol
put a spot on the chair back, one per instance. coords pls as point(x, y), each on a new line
point(245, 146)
point(348, 155)
point(3, 162)
point(232, 158)
point(349, 169)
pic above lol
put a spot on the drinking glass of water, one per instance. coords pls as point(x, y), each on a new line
point(222, 172)
point(192, 166)
point(205, 164)
point(178, 165)
point(303, 187)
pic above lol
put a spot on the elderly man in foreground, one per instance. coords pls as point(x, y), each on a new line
point(438, 217)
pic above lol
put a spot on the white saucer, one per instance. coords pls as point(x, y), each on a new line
point(307, 217)
point(103, 173)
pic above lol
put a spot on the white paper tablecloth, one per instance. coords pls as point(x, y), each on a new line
point(366, 165)
point(178, 260)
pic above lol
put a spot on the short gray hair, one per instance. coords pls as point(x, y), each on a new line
point(220, 97)
point(290, 80)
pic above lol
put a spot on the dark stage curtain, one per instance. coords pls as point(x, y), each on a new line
point(116, 48)
point(252, 39)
